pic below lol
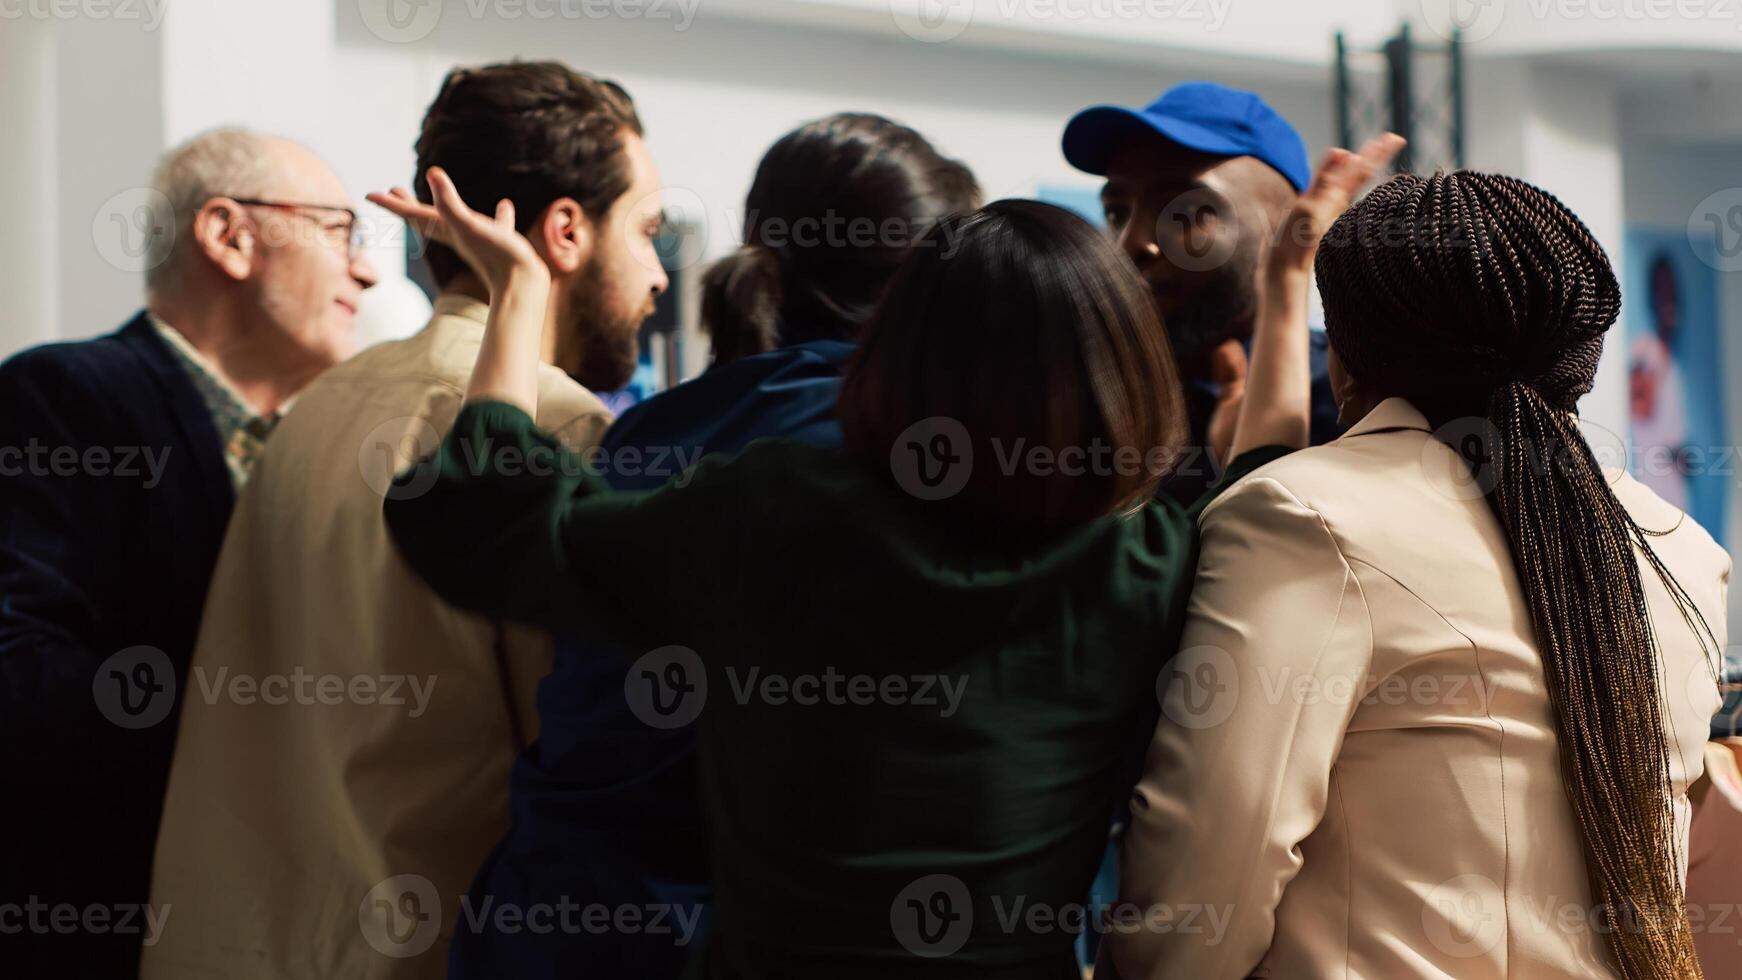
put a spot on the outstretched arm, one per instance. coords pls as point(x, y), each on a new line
point(505, 520)
point(1275, 410)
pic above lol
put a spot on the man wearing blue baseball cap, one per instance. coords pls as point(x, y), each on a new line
point(1198, 182)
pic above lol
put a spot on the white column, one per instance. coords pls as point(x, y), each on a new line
point(27, 250)
point(108, 99)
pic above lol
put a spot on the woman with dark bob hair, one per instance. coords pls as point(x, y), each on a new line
point(922, 666)
point(1492, 662)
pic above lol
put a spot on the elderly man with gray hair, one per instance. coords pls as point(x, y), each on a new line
point(120, 459)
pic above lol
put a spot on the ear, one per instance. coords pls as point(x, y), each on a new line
point(564, 236)
point(223, 233)
point(1228, 363)
point(1346, 390)
point(1343, 385)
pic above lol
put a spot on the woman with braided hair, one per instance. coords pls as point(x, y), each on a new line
point(1453, 736)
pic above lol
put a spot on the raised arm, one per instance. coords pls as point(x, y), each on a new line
point(519, 283)
point(1275, 410)
point(505, 520)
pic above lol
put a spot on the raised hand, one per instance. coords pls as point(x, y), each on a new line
point(1275, 407)
point(518, 280)
point(1340, 177)
point(491, 246)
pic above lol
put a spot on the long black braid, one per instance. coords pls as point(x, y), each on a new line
point(1482, 297)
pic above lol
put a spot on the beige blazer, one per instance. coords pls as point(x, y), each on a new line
point(1357, 774)
point(342, 763)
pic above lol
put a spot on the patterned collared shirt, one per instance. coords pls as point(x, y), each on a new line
point(242, 432)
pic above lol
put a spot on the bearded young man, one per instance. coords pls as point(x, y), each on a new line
point(342, 766)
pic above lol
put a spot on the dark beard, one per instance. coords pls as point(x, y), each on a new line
point(599, 350)
point(1220, 312)
point(607, 361)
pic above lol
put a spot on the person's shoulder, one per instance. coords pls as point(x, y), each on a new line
point(675, 407)
point(787, 368)
point(104, 349)
point(101, 369)
point(565, 396)
point(387, 381)
point(386, 358)
point(1369, 487)
point(787, 477)
point(1304, 471)
point(430, 358)
point(1673, 533)
point(790, 463)
point(832, 354)
point(569, 409)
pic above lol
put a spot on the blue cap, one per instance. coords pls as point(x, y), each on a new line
point(1202, 116)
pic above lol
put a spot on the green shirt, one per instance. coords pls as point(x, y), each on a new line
point(909, 742)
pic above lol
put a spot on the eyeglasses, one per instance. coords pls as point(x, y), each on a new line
point(347, 234)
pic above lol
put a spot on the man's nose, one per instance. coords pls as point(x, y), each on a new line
point(1137, 240)
point(363, 271)
point(661, 282)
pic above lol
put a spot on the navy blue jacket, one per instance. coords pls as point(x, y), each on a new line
point(605, 808)
point(113, 500)
point(1196, 472)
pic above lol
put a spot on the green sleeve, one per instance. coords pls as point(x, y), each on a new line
point(504, 520)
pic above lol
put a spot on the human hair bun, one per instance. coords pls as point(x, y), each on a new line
point(741, 298)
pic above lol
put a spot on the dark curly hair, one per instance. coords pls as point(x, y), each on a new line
point(529, 131)
point(1480, 296)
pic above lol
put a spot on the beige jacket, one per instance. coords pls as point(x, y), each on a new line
point(1357, 773)
point(345, 742)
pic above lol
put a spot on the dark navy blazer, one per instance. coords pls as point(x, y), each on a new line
point(1196, 471)
point(113, 500)
point(605, 807)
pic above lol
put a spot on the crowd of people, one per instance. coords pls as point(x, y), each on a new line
point(996, 560)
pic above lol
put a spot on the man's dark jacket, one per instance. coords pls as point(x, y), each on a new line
point(114, 495)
